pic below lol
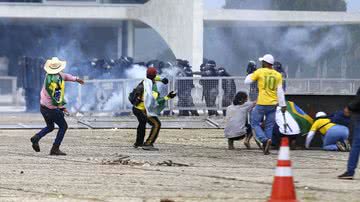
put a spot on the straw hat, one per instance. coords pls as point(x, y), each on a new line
point(54, 65)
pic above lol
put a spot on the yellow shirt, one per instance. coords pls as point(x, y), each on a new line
point(321, 122)
point(268, 82)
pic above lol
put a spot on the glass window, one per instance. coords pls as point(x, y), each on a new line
point(299, 5)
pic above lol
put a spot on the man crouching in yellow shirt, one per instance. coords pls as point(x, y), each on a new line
point(334, 136)
point(271, 94)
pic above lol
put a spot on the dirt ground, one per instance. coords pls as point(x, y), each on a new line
point(192, 165)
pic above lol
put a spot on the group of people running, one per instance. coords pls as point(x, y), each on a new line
point(147, 105)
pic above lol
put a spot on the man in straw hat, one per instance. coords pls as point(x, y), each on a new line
point(52, 103)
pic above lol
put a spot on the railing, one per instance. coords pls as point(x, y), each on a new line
point(8, 91)
point(123, 2)
point(194, 93)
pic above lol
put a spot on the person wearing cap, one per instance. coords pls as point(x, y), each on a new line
point(335, 137)
point(148, 107)
point(52, 103)
point(271, 94)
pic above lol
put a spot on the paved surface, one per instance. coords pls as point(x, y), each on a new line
point(35, 121)
point(102, 166)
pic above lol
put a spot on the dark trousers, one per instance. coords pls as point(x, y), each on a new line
point(52, 116)
point(355, 149)
point(141, 129)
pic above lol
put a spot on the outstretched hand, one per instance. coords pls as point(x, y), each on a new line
point(171, 95)
point(80, 81)
point(66, 112)
point(165, 81)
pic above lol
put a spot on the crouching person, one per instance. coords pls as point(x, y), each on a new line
point(237, 126)
point(147, 106)
point(335, 137)
point(52, 103)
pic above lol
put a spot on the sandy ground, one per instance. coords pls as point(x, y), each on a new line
point(102, 165)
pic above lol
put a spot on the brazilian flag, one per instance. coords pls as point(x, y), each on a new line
point(304, 120)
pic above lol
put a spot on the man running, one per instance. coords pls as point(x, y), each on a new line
point(271, 94)
point(52, 103)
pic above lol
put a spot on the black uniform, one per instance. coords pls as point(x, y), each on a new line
point(184, 89)
point(32, 80)
point(229, 88)
point(210, 86)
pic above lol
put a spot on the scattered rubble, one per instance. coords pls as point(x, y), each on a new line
point(125, 160)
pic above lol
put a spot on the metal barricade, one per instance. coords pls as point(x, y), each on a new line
point(8, 90)
point(194, 93)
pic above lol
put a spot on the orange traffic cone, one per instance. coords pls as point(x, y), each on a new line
point(283, 189)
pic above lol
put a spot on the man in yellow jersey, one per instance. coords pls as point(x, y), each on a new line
point(335, 137)
point(147, 107)
point(271, 94)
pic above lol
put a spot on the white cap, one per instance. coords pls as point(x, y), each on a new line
point(320, 114)
point(267, 58)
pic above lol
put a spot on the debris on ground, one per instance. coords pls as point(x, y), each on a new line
point(170, 163)
point(124, 160)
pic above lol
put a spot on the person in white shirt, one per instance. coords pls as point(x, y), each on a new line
point(237, 127)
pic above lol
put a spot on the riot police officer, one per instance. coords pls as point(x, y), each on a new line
point(229, 88)
point(253, 91)
point(184, 88)
point(278, 67)
point(210, 86)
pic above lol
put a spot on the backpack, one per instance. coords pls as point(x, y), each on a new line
point(136, 93)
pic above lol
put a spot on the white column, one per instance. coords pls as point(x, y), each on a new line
point(119, 42)
point(130, 38)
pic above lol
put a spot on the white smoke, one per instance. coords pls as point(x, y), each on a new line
point(302, 41)
point(136, 72)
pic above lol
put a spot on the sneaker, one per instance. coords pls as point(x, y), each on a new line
point(137, 145)
point(231, 144)
point(149, 148)
point(346, 176)
point(341, 146)
point(347, 145)
point(55, 151)
point(247, 141)
point(267, 146)
point(259, 144)
point(35, 143)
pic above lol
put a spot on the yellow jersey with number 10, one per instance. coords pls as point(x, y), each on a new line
point(268, 82)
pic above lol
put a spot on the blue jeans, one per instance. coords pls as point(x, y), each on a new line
point(52, 116)
point(334, 134)
point(355, 149)
point(257, 117)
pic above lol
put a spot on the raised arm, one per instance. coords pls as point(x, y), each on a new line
point(69, 77)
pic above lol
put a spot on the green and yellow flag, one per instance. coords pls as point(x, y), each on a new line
point(304, 120)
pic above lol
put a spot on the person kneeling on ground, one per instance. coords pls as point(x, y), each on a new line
point(52, 103)
point(335, 137)
point(237, 127)
point(148, 106)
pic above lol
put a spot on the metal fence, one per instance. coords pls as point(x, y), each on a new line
point(8, 90)
point(194, 93)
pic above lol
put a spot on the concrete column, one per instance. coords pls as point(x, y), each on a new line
point(130, 38)
point(179, 22)
point(127, 38)
point(119, 42)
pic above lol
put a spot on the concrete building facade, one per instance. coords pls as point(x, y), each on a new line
point(179, 22)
